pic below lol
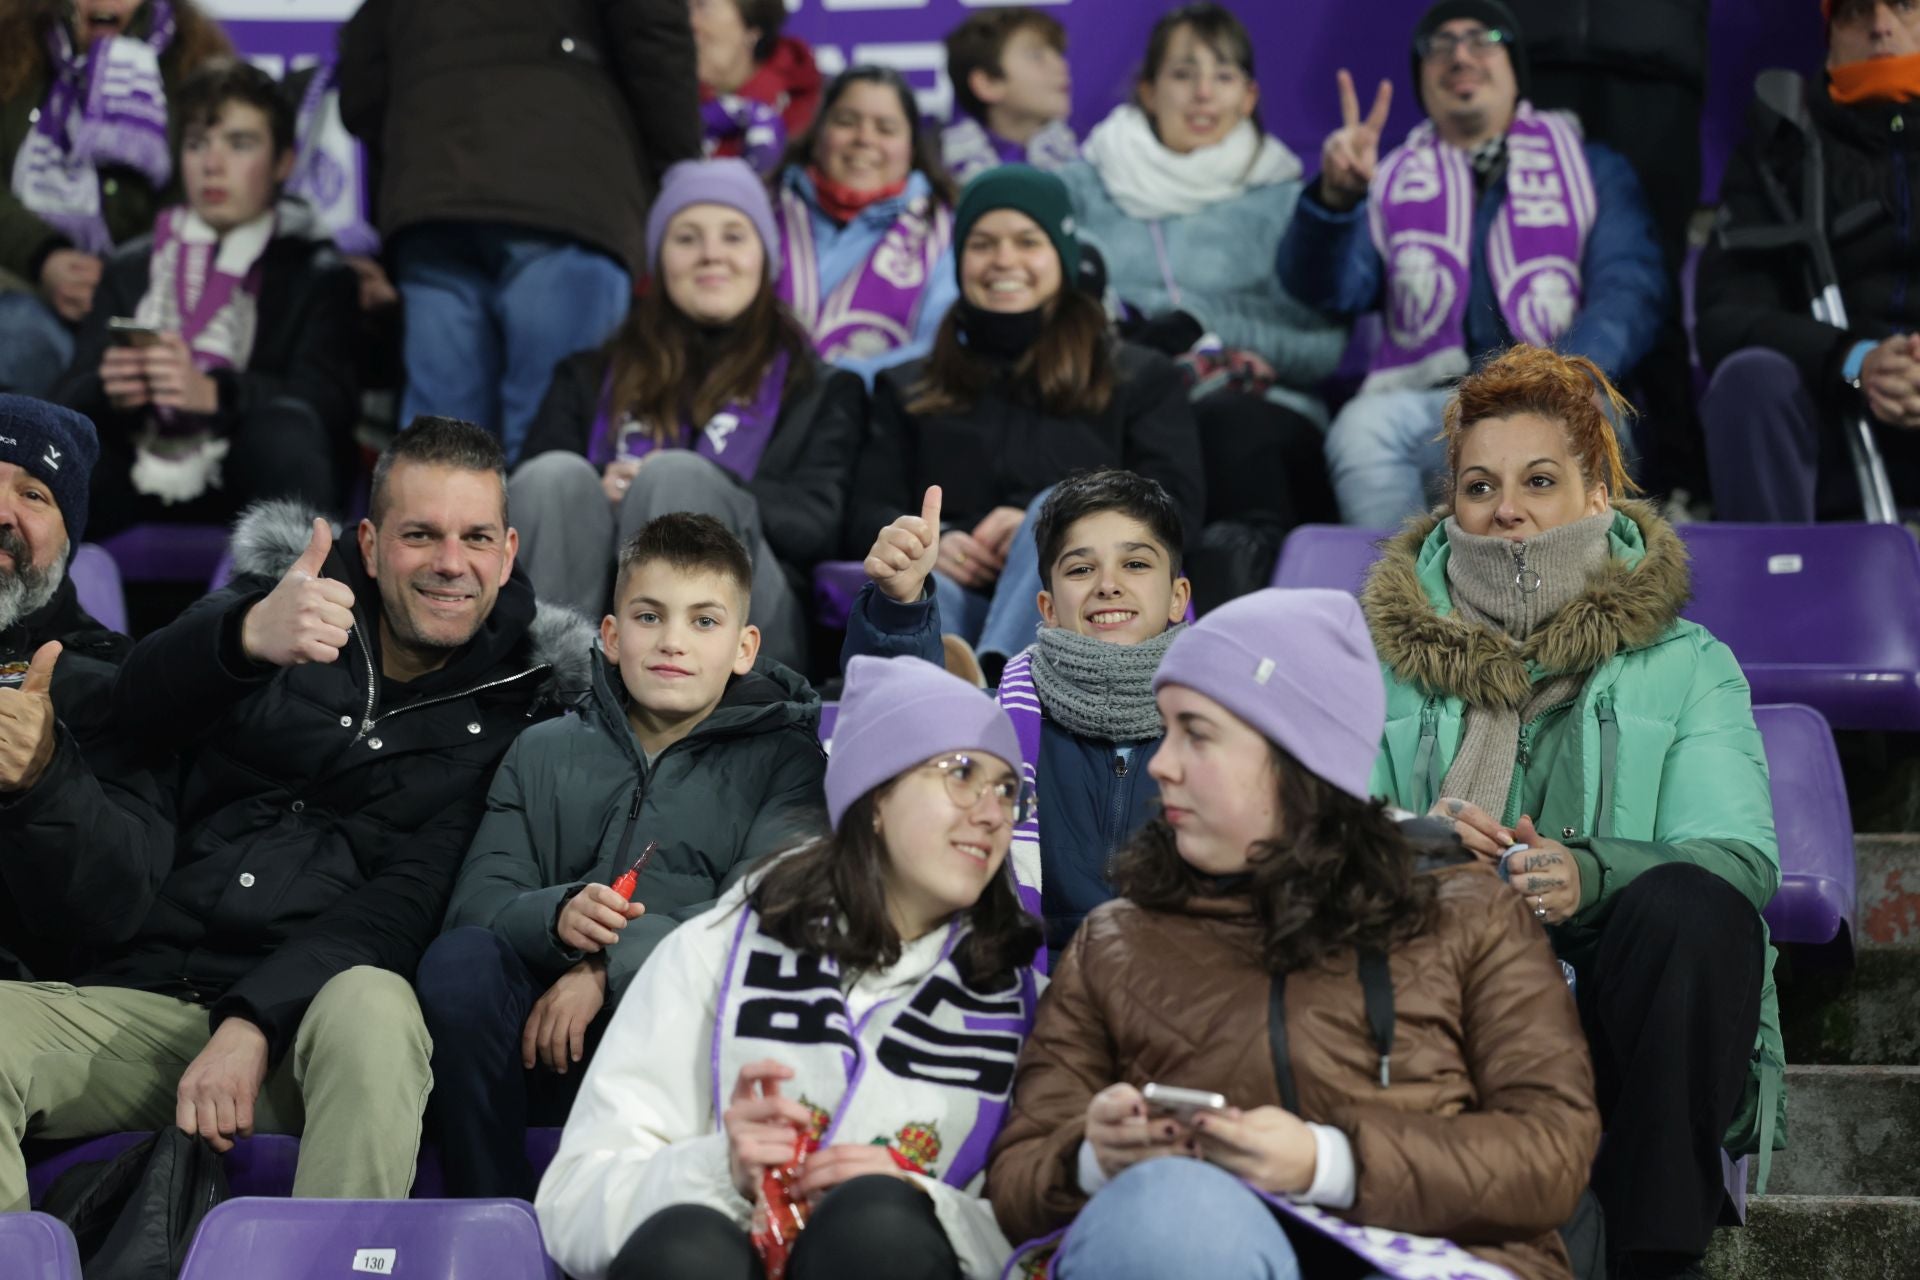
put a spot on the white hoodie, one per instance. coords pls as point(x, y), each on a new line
point(643, 1134)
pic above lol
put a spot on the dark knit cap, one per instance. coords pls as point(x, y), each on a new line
point(1488, 13)
point(56, 446)
point(1041, 196)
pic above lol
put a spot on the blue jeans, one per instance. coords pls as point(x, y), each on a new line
point(1176, 1217)
point(35, 345)
point(1385, 452)
point(1004, 621)
point(490, 310)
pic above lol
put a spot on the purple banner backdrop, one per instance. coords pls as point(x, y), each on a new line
point(1298, 48)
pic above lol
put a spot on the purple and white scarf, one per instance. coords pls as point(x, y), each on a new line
point(205, 287)
point(758, 128)
point(106, 106)
point(1021, 701)
point(927, 1074)
point(968, 147)
point(734, 438)
point(330, 170)
point(1420, 212)
point(877, 307)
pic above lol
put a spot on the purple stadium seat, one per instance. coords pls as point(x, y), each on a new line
point(836, 584)
point(36, 1247)
point(222, 570)
point(1333, 556)
point(351, 1239)
point(1827, 615)
point(829, 716)
point(167, 552)
point(1815, 903)
point(96, 580)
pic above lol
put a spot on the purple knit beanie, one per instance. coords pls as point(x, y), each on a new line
point(899, 712)
point(730, 182)
point(1298, 666)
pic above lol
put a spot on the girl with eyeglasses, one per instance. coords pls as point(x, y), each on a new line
point(862, 999)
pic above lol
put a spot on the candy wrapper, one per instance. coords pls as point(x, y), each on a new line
point(778, 1214)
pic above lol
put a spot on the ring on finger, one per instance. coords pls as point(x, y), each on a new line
point(1539, 908)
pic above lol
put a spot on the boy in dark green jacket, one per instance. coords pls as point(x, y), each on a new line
point(688, 742)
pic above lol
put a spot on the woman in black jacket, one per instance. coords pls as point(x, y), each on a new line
point(236, 381)
point(1024, 387)
point(708, 399)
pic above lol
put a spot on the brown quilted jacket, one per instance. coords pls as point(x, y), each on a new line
point(1484, 1137)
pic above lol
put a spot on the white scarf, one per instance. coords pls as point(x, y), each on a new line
point(1149, 181)
point(178, 457)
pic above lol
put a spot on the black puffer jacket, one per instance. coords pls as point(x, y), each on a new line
point(575, 802)
point(1005, 450)
point(558, 116)
point(1872, 163)
point(322, 815)
point(1653, 39)
point(98, 794)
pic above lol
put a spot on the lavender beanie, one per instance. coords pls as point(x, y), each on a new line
point(1299, 667)
point(898, 712)
point(730, 182)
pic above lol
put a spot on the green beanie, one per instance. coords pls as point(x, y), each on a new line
point(1041, 196)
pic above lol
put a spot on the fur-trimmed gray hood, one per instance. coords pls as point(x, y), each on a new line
point(1627, 606)
point(269, 536)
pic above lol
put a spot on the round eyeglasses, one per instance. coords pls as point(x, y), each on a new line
point(967, 781)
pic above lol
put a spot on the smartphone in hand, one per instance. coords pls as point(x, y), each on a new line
point(1181, 1104)
point(124, 331)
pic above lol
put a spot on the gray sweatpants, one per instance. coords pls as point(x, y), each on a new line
point(570, 535)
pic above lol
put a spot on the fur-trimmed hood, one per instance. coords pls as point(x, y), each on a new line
point(269, 536)
point(1631, 604)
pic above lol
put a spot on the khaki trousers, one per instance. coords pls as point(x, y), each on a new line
point(77, 1062)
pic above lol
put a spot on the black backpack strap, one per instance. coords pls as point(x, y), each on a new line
point(1277, 1041)
point(1376, 983)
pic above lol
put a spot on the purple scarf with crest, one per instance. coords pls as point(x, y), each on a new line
point(734, 438)
point(755, 125)
point(1420, 212)
point(968, 147)
point(877, 307)
point(329, 169)
point(106, 107)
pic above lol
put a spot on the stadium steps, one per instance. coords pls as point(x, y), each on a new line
point(1844, 1203)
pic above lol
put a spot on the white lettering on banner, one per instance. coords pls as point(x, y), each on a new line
point(280, 10)
point(919, 61)
point(379, 1262)
point(832, 5)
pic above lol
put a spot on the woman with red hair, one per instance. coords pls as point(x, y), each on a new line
point(1544, 694)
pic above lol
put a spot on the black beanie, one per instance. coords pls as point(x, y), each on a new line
point(1489, 13)
point(56, 446)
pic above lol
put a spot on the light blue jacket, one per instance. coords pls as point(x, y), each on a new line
point(1217, 260)
point(842, 250)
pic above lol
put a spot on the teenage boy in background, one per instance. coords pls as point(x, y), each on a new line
point(1013, 93)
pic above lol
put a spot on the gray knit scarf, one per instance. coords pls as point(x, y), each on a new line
point(1098, 689)
point(1515, 588)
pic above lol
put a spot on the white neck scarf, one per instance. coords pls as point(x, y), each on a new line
point(1149, 181)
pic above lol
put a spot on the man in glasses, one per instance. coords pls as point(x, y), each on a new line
point(1492, 224)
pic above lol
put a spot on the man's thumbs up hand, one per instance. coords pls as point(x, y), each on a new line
point(306, 618)
point(27, 724)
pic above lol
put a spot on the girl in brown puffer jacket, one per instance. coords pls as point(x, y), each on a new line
point(1397, 1052)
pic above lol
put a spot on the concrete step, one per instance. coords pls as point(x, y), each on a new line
point(1853, 1131)
point(1868, 1015)
point(1887, 868)
point(1820, 1238)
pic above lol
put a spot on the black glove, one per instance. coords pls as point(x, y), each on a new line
point(1173, 333)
